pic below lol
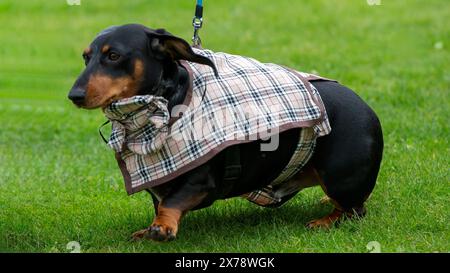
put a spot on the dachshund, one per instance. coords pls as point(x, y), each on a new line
point(129, 60)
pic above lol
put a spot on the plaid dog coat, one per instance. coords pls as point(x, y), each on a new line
point(247, 101)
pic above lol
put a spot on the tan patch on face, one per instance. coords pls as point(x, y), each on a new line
point(138, 69)
point(87, 51)
point(105, 48)
point(103, 89)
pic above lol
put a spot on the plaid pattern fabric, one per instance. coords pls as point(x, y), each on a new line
point(263, 197)
point(305, 148)
point(139, 124)
point(249, 100)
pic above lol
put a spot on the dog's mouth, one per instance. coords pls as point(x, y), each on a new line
point(94, 103)
point(108, 103)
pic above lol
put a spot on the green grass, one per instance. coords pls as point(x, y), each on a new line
point(60, 183)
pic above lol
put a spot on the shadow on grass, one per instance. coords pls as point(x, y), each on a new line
point(238, 222)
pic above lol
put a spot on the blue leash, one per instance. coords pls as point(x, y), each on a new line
point(197, 23)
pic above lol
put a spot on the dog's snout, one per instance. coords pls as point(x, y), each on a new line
point(77, 95)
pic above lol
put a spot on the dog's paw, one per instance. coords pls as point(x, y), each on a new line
point(141, 234)
point(326, 222)
point(319, 224)
point(161, 233)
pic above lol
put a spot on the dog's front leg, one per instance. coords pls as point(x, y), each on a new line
point(154, 200)
point(170, 212)
point(173, 206)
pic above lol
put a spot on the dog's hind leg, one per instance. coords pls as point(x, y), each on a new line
point(350, 209)
point(348, 159)
point(337, 215)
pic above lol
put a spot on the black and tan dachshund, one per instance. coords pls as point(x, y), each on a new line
point(129, 60)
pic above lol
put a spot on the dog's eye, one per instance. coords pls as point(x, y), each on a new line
point(113, 56)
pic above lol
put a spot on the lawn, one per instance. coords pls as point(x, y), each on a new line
point(60, 183)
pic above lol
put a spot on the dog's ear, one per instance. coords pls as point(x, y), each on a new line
point(166, 46)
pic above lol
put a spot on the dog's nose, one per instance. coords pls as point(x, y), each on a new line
point(77, 95)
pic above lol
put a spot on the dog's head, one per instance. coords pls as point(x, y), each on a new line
point(124, 61)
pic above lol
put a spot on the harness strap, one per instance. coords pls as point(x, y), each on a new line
point(233, 168)
point(280, 188)
point(100, 130)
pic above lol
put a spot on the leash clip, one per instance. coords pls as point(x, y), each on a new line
point(197, 23)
